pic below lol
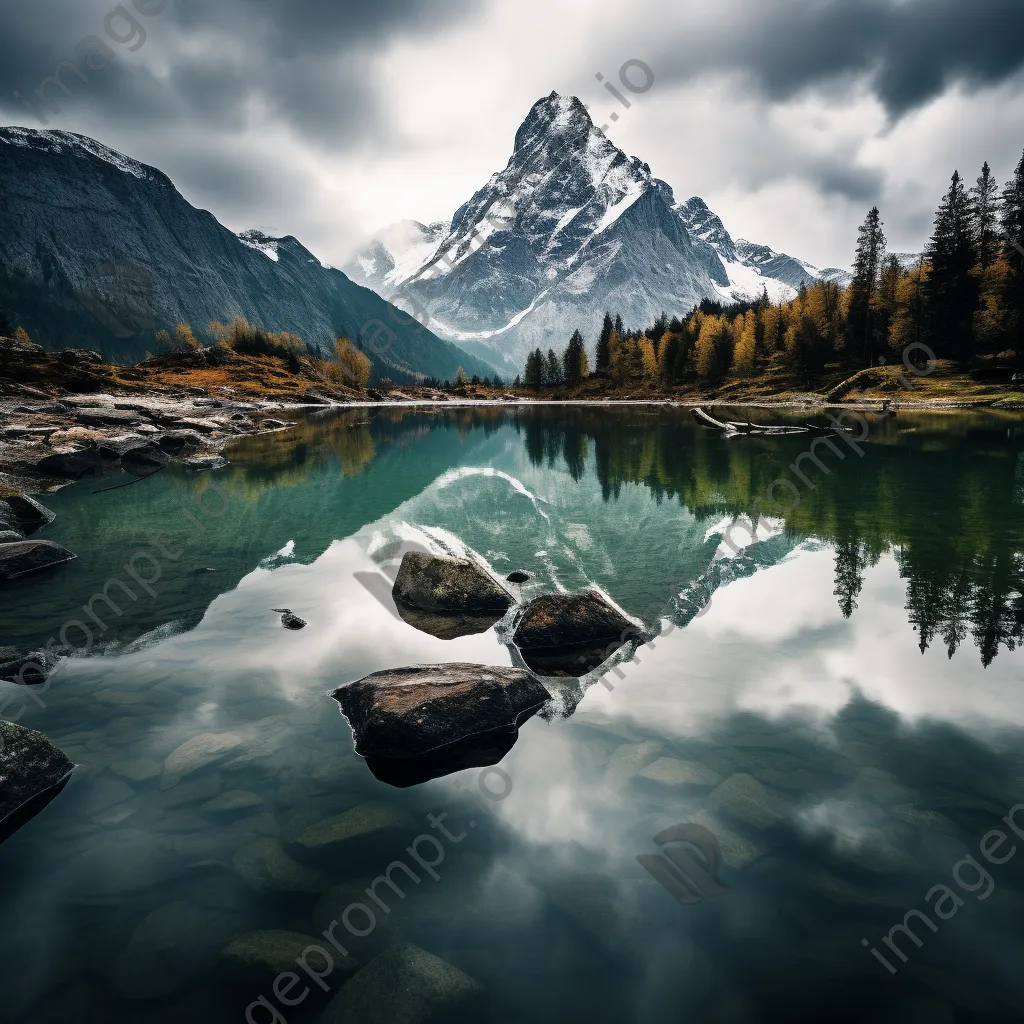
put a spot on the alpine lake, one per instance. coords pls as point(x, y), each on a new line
point(832, 702)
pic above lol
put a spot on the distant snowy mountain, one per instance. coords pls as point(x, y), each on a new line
point(570, 228)
point(394, 254)
point(908, 260)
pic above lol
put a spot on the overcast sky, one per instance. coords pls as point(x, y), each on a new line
point(328, 119)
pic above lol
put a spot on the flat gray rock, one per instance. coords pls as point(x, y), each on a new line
point(406, 985)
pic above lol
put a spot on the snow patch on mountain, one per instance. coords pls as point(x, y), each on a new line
point(747, 284)
point(60, 142)
point(614, 212)
point(257, 240)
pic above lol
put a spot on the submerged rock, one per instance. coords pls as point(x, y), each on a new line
point(168, 948)
point(259, 957)
point(197, 753)
point(742, 797)
point(369, 829)
point(629, 758)
point(33, 771)
point(406, 984)
point(518, 576)
point(414, 724)
point(232, 803)
point(25, 556)
point(571, 634)
point(437, 583)
point(289, 620)
point(265, 867)
point(673, 772)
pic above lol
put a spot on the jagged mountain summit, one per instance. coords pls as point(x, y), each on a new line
point(571, 227)
point(102, 251)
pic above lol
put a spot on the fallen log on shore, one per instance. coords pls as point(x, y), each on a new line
point(732, 427)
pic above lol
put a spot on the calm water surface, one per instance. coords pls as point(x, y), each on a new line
point(847, 668)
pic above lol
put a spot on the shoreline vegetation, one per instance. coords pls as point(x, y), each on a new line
point(71, 404)
point(942, 331)
point(954, 314)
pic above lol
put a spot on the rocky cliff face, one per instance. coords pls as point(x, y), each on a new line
point(99, 250)
point(570, 228)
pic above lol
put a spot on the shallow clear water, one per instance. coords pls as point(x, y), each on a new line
point(848, 669)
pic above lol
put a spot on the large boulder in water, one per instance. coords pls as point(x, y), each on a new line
point(437, 583)
point(25, 556)
point(570, 634)
point(415, 724)
point(407, 985)
point(32, 772)
point(23, 515)
point(447, 597)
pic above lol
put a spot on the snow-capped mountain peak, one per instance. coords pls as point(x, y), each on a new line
point(570, 227)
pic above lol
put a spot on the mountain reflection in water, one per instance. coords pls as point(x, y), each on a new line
point(836, 702)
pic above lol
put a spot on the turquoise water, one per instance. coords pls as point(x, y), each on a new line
point(834, 696)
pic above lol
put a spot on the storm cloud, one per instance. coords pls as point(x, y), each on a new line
point(910, 50)
point(327, 120)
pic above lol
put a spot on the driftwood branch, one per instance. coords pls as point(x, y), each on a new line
point(732, 427)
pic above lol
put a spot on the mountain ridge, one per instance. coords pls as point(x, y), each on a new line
point(101, 251)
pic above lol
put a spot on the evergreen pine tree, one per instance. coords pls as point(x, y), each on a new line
point(533, 376)
point(866, 268)
point(552, 370)
point(985, 216)
point(1013, 207)
point(603, 352)
point(619, 329)
point(952, 288)
point(574, 360)
point(1013, 285)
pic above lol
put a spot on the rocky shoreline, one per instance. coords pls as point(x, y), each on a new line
point(47, 442)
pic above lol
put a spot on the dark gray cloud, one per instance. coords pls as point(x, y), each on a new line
point(912, 50)
point(307, 63)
